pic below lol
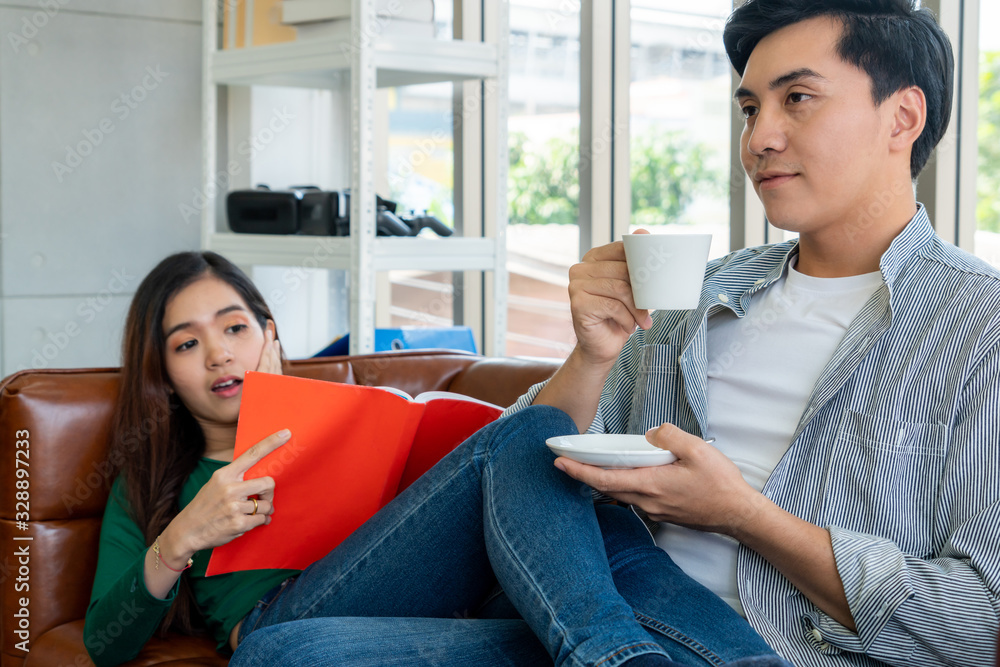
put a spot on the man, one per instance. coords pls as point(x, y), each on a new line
point(850, 505)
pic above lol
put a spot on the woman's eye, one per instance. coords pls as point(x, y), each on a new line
point(187, 345)
point(236, 328)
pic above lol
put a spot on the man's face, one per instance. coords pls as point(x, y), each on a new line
point(814, 145)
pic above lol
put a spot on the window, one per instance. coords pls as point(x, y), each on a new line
point(544, 179)
point(680, 110)
point(987, 244)
point(420, 168)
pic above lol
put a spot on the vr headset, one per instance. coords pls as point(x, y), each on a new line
point(308, 210)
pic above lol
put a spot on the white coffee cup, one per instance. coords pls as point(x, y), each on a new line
point(666, 270)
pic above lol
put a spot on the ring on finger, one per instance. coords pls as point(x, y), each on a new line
point(254, 507)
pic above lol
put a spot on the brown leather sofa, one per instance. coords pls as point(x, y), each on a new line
point(64, 417)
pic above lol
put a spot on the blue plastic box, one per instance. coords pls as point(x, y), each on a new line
point(409, 338)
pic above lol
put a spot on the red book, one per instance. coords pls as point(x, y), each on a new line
point(352, 449)
point(448, 420)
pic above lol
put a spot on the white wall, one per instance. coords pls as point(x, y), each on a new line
point(90, 181)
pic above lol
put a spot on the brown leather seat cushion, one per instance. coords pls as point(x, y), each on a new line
point(66, 414)
point(63, 645)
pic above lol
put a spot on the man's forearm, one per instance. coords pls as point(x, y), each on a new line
point(802, 552)
point(576, 389)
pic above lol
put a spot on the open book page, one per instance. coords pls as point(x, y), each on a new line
point(428, 396)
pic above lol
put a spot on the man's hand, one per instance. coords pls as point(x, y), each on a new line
point(703, 489)
point(600, 296)
point(604, 316)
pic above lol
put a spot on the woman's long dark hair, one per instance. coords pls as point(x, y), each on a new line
point(155, 441)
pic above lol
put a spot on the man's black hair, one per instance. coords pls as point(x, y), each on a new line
point(892, 41)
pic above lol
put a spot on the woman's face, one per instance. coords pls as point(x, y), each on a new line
point(212, 338)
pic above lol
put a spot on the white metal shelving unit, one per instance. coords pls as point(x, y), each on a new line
point(372, 63)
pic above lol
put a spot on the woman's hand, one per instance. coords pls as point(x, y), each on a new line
point(270, 355)
point(222, 510)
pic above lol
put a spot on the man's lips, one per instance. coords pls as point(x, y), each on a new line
point(769, 181)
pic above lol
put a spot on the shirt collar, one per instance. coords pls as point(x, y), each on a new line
point(774, 261)
point(908, 243)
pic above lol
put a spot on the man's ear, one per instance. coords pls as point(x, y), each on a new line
point(908, 119)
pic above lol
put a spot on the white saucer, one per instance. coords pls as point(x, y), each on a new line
point(610, 450)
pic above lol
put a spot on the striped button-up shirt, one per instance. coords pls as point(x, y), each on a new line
point(897, 453)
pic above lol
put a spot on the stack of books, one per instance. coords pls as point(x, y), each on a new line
point(260, 22)
point(331, 19)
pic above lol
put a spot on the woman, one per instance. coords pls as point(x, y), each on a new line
point(418, 583)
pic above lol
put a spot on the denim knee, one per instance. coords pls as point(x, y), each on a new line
point(525, 431)
point(626, 536)
point(545, 418)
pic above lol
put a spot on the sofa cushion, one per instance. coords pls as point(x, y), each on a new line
point(63, 645)
point(67, 415)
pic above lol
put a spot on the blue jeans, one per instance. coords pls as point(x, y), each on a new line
point(582, 585)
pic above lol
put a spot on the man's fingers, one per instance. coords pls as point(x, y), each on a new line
point(603, 309)
point(247, 459)
point(682, 444)
point(605, 481)
point(610, 252)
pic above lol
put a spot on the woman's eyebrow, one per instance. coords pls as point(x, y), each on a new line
point(220, 313)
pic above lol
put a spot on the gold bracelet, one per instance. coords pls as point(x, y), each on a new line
point(156, 550)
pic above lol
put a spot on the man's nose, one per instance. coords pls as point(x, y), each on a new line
point(768, 132)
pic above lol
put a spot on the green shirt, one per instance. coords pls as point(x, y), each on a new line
point(123, 614)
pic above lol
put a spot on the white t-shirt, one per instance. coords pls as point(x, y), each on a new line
point(761, 371)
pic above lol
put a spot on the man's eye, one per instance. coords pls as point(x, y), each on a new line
point(187, 345)
point(795, 98)
point(749, 110)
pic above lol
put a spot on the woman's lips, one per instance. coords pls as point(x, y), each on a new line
point(228, 389)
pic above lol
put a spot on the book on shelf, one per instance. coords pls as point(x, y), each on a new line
point(340, 30)
point(253, 23)
point(352, 449)
point(306, 11)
